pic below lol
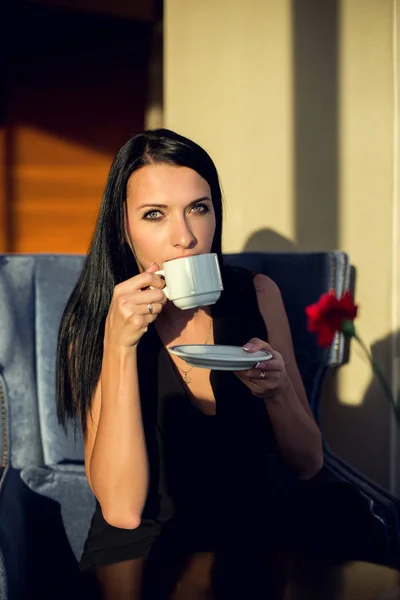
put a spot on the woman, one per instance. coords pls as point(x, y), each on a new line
point(176, 457)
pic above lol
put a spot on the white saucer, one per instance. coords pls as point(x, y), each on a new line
point(219, 358)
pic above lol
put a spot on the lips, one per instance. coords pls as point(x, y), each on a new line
point(181, 256)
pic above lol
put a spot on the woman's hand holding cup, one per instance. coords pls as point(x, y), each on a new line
point(135, 304)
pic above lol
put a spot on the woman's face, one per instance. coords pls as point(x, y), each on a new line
point(169, 214)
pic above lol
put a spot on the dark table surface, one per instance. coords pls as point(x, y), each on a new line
point(294, 578)
point(318, 580)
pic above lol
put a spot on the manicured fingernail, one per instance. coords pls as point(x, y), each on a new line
point(248, 346)
point(261, 365)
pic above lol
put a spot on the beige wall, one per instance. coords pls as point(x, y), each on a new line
point(368, 205)
point(296, 103)
point(227, 66)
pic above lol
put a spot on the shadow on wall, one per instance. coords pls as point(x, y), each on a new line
point(357, 433)
point(365, 428)
point(316, 31)
point(268, 240)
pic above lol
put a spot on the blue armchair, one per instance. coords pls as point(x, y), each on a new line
point(45, 501)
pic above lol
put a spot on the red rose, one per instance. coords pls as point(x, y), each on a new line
point(329, 315)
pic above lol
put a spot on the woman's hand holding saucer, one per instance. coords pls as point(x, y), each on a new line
point(268, 379)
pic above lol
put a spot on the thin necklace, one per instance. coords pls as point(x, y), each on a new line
point(185, 373)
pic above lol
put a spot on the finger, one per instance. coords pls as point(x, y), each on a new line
point(255, 345)
point(149, 318)
point(149, 296)
point(249, 374)
point(139, 282)
point(156, 281)
point(269, 365)
point(143, 319)
point(252, 374)
point(152, 268)
point(256, 371)
point(143, 309)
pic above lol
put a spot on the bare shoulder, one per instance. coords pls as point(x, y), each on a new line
point(273, 312)
point(272, 309)
point(266, 288)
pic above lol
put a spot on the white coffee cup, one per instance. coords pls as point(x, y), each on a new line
point(192, 281)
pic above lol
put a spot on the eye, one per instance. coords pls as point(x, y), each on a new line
point(201, 208)
point(153, 215)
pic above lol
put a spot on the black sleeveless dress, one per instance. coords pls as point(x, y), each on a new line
point(214, 480)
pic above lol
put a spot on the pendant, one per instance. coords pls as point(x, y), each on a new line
point(186, 378)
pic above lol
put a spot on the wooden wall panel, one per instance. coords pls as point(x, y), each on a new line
point(3, 218)
point(145, 10)
point(77, 90)
point(58, 189)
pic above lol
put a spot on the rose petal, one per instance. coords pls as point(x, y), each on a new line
point(326, 316)
point(325, 336)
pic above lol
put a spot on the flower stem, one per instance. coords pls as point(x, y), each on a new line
point(379, 373)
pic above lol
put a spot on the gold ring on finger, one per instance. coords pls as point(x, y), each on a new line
point(262, 375)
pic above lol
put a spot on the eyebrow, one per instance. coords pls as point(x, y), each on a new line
point(202, 199)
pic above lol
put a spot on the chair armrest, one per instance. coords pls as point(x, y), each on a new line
point(39, 562)
point(383, 506)
point(13, 536)
point(352, 474)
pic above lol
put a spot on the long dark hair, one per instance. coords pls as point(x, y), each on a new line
point(110, 261)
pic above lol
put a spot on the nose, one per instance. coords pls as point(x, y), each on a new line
point(182, 235)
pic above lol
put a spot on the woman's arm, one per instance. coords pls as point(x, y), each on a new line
point(115, 448)
point(297, 434)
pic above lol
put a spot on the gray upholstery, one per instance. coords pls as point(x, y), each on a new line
point(33, 293)
point(17, 359)
point(45, 501)
point(67, 485)
point(54, 278)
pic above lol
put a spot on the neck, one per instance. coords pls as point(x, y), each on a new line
point(173, 314)
point(174, 320)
